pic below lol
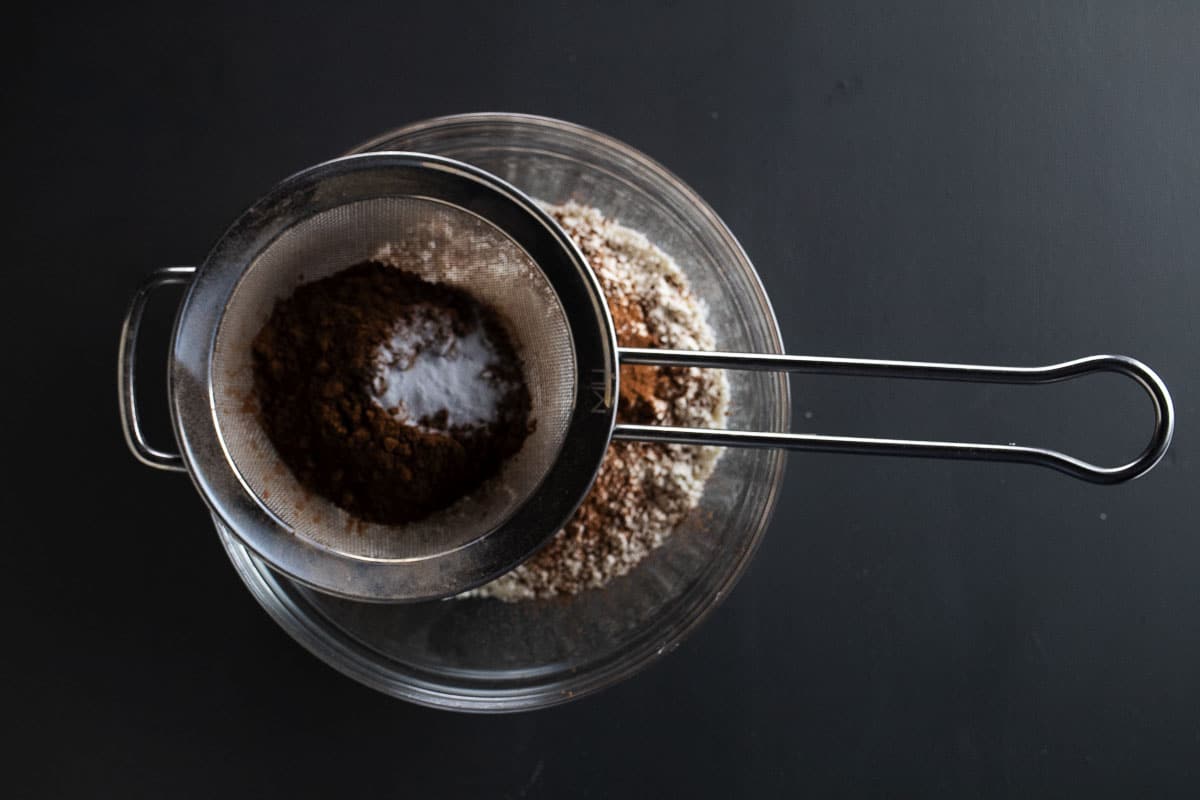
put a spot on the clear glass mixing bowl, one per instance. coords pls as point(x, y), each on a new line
point(485, 655)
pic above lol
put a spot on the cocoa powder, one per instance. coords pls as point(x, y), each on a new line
point(320, 367)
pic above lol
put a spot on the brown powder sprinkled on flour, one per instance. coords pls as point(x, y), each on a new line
point(643, 489)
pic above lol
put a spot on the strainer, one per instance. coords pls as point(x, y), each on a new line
point(468, 228)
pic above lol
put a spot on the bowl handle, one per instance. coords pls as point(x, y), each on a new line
point(130, 425)
point(1164, 414)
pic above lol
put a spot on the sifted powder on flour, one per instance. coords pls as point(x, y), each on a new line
point(643, 489)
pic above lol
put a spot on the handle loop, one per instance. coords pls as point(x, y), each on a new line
point(1164, 414)
point(130, 424)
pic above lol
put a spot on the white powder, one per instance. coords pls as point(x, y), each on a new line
point(425, 367)
point(643, 490)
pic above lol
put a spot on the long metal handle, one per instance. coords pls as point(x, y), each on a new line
point(130, 425)
point(1164, 413)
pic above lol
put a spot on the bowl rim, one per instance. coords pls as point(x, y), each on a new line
point(312, 630)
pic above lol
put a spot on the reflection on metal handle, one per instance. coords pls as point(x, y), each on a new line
point(125, 363)
point(1164, 414)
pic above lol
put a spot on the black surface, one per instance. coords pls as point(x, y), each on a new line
point(1015, 182)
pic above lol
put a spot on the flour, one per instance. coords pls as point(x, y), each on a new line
point(643, 490)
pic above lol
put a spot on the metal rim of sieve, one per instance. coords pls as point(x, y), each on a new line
point(340, 182)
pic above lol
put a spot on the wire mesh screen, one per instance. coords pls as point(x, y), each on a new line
point(439, 242)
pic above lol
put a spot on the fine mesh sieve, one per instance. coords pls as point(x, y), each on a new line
point(439, 242)
point(466, 227)
point(450, 223)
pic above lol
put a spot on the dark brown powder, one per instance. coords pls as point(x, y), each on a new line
point(315, 363)
point(640, 400)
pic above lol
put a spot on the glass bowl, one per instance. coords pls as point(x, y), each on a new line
point(490, 656)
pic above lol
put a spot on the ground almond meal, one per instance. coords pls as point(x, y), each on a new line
point(643, 490)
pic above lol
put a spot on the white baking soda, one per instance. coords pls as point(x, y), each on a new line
point(425, 368)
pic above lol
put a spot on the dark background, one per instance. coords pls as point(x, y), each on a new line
point(1010, 182)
